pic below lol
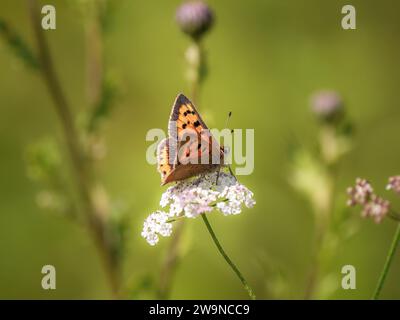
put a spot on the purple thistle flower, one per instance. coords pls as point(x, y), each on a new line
point(194, 18)
point(394, 184)
point(326, 105)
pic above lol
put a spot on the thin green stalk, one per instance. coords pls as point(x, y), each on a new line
point(394, 215)
point(195, 64)
point(325, 212)
point(77, 155)
point(321, 228)
point(314, 273)
point(227, 259)
point(388, 263)
point(170, 263)
point(18, 45)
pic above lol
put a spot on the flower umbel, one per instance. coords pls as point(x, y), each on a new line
point(376, 209)
point(360, 193)
point(372, 206)
point(156, 224)
point(194, 197)
point(394, 184)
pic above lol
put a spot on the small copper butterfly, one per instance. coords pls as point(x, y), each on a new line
point(190, 148)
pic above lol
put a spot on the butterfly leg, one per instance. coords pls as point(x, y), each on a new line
point(216, 181)
point(231, 172)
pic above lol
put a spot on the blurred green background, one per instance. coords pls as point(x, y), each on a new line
point(265, 59)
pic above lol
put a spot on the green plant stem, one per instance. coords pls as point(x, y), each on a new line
point(388, 263)
point(78, 159)
point(94, 56)
point(195, 62)
point(170, 262)
point(315, 264)
point(227, 259)
point(195, 83)
point(322, 224)
point(394, 215)
point(196, 68)
point(325, 211)
point(18, 45)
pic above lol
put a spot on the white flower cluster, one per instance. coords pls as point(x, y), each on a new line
point(191, 198)
point(156, 224)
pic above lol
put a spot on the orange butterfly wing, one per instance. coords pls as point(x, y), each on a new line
point(184, 158)
point(163, 159)
point(185, 121)
point(184, 116)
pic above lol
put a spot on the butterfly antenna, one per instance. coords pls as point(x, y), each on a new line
point(226, 125)
point(228, 118)
point(229, 167)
